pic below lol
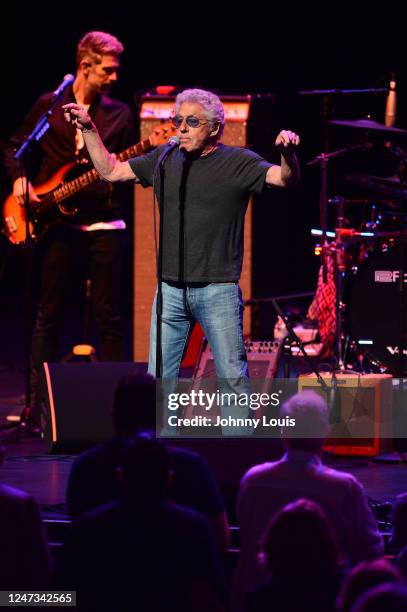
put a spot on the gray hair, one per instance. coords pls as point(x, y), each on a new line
point(211, 105)
point(310, 412)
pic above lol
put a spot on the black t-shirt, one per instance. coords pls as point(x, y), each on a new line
point(208, 197)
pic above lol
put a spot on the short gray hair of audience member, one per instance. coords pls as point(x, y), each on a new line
point(388, 597)
point(310, 412)
point(211, 105)
point(364, 577)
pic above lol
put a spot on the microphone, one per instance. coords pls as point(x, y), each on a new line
point(171, 144)
point(68, 79)
point(390, 111)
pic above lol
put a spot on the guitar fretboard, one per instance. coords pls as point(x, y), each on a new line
point(68, 189)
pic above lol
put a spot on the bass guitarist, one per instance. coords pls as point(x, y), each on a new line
point(93, 235)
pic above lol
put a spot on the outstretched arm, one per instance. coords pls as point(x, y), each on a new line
point(109, 168)
point(288, 173)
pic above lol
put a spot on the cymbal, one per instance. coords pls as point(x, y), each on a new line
point(368, 125)
point(362, 201)
point(388, 185)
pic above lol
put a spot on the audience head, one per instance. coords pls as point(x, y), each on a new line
point(365, 576)
point(384, 598)
point(310, 412)
point(299, 541)
point(144, 471)
point(134, 404)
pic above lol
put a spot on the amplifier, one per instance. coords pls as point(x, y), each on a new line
point(262, 359)
point(364, 412)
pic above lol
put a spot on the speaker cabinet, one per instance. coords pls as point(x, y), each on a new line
point(78, 400)
point(363, 411)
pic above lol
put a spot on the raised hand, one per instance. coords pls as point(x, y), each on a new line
point(287, 141)
point(76, 114)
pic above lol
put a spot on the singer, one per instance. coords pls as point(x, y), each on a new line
point(207, 187)
point(92, 240)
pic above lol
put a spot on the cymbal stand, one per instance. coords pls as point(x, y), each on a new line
point(339, 277)
point(323, 160)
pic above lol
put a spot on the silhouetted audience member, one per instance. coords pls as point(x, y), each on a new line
point(267, 488)
point(93, 482)
point(25, 559)
point(142, 552)
point(364, 577)
point(301, 554)
point(399, 534)
point(384, 598)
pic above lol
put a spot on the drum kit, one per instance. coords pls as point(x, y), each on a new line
point(369, 260)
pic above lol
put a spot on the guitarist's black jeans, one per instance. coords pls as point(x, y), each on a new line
point(66, 253)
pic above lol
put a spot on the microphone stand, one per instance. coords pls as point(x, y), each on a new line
point(296, 340)
point(159, 304)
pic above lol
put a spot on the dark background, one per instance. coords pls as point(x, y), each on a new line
point(256, 49)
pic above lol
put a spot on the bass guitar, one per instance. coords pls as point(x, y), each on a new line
point(56, 191)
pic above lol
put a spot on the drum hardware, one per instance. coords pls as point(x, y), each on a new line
point(362, 201)
point(386, 185)
point(290, 339)
point(401, 157)
point(322, 161)
point(371, 336)
point(368, 125)
point(367, 326)
point(372, 301)
point(395, 190)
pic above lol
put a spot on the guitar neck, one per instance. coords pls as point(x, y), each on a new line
point(69, 188)
point(135, 150)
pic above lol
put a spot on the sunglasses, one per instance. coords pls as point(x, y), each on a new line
point(191, 121)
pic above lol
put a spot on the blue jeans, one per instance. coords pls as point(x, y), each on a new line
point(218, 308)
